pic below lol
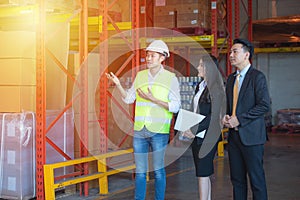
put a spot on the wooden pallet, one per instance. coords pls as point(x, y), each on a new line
point(287, 128)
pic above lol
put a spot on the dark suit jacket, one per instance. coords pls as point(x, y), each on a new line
point(253, 103)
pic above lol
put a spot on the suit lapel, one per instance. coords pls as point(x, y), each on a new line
point(230, 92)
point(244, 84)
point(203, 95)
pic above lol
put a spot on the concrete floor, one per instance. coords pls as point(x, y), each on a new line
point(282, 170)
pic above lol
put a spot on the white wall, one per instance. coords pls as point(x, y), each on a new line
point(283, 73)
point(287, 7)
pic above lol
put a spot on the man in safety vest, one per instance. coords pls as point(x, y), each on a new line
point(157, 96)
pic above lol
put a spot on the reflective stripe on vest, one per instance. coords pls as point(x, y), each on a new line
point(154, 117)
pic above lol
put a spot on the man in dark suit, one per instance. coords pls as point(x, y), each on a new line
point(247, 102)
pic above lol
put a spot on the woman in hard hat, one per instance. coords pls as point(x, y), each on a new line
point(204, 144)
point(157, 96)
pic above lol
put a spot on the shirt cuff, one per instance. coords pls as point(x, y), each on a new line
point(174, 107)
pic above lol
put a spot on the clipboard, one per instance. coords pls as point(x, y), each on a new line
point(186, 119)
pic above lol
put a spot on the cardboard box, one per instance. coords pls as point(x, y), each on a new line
point(167, 16)
point(17, 44)
point(17, 98)
point(188, 20)
point(190, 8)
point(186, 2)
point(164, 10)
point(17, 72)
point(183, 14)
point(166, 21)
point(121, 7)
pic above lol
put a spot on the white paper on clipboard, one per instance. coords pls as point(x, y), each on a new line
point(186, 119)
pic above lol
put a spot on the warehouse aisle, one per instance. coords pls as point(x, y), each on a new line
point(281, 166)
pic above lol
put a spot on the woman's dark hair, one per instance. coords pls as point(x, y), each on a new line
point(214, 59)
point(211, 65)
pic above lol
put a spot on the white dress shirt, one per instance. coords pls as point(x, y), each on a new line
point(242, 75)
point(202, 86)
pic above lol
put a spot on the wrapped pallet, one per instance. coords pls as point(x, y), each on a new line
point(17, 155)
point(17, 150)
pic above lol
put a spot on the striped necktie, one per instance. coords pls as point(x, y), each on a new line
point(235, 94)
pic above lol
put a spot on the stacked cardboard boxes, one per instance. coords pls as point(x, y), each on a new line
point(182, 13)
point(18, 68)
point(17, 71)
point(192, 14)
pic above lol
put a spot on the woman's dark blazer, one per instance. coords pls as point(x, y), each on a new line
point(204, 108)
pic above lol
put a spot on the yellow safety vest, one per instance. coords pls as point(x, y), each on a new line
point(154, 117)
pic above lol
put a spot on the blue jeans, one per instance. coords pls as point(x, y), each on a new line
point(147, 144)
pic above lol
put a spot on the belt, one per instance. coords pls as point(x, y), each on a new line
point(234, 129)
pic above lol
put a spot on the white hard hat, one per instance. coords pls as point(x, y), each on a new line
point(159, 46)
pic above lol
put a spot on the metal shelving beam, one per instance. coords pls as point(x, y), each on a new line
point(40, 101)
point(230, 36)
point(135, 15)
point(214, 28)
point(235, 32)
point(277, 50)
point(236, 18)
point(83, 52)
point(250, 27)
point(103, 53)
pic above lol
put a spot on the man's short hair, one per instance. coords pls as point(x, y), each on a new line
point(248, 46)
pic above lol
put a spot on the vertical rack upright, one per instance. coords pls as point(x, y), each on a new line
point(40, 100)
